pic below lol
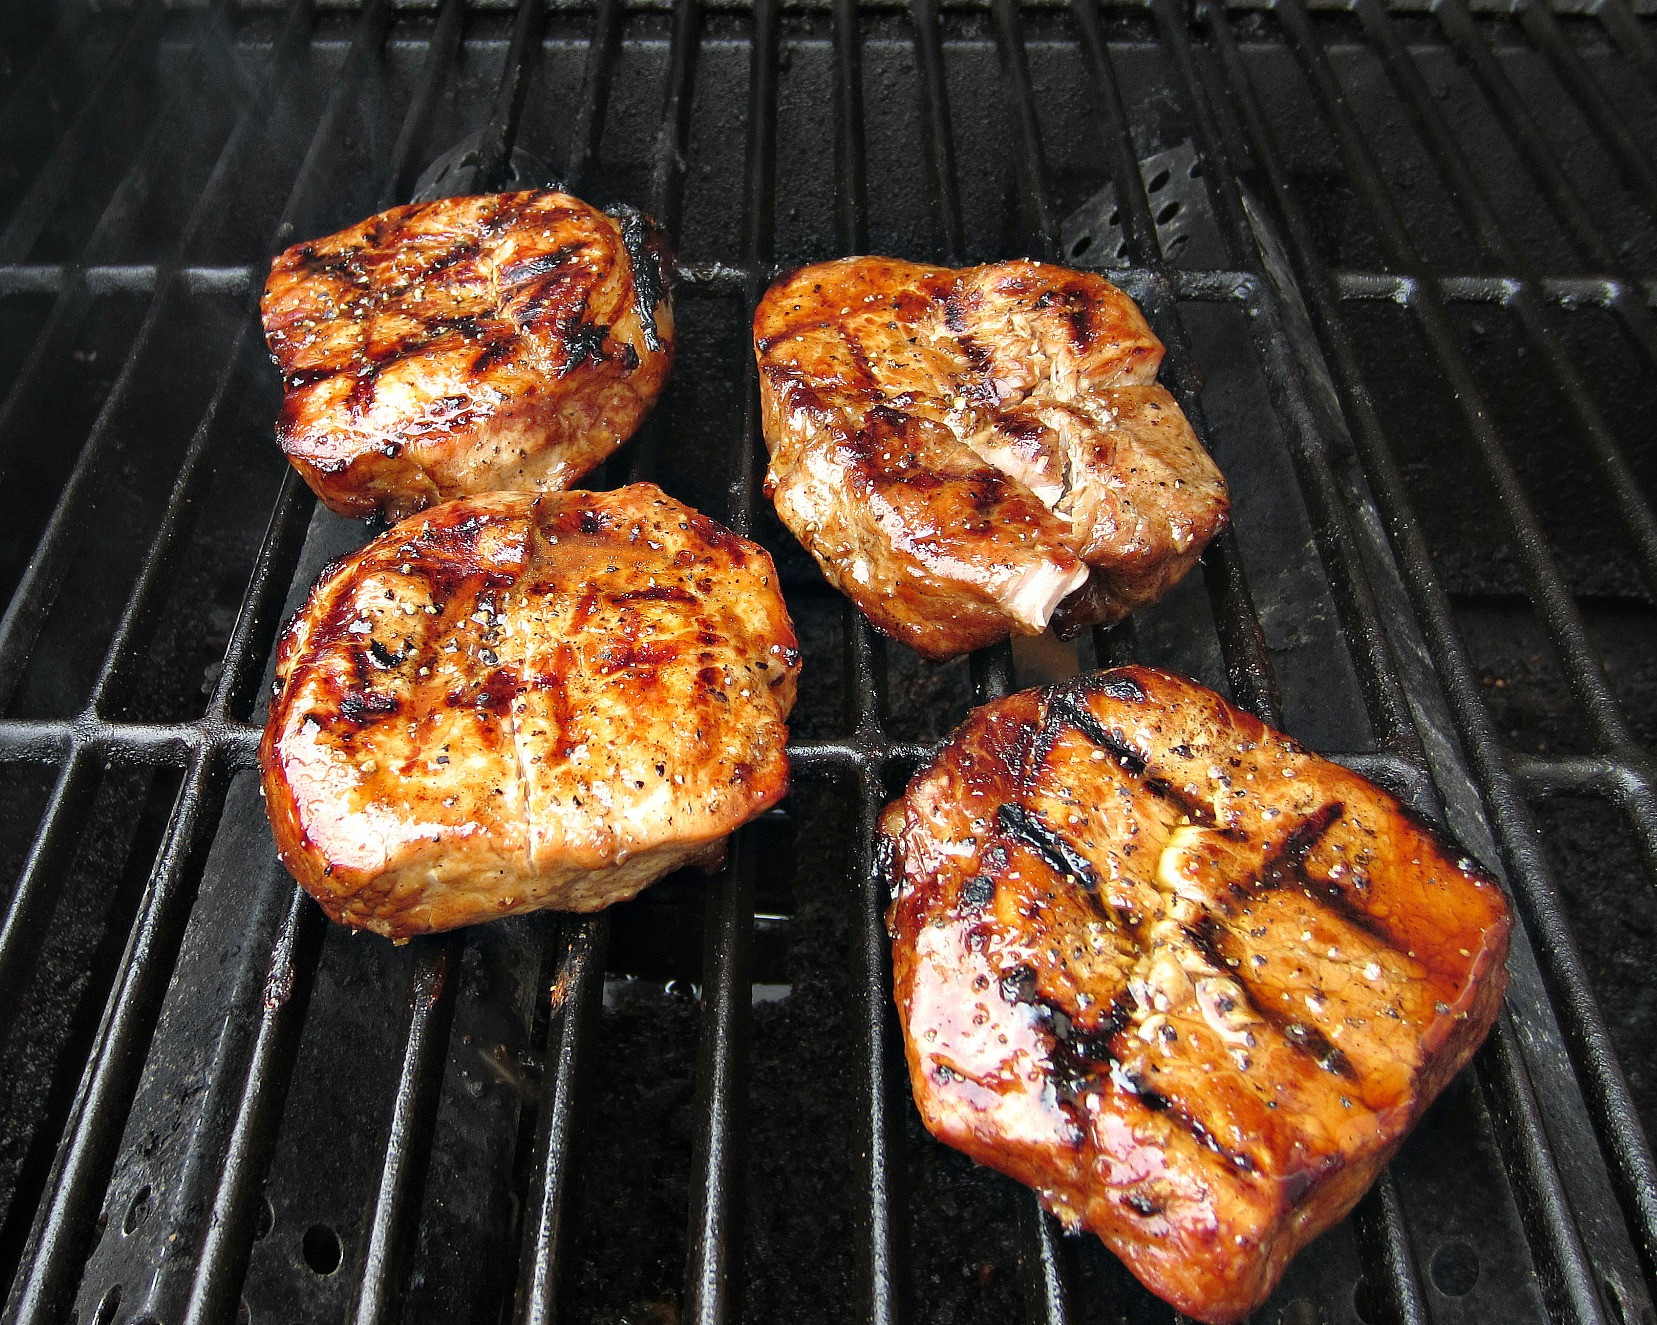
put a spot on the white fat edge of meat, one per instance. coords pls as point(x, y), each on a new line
point(1035, 594)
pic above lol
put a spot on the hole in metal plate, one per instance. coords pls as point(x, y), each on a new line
point(1455, 1269)
point(138, 1209)
point(322, 1249)
point(1092, 237)
point(108, 1305)
point(1363, 1303)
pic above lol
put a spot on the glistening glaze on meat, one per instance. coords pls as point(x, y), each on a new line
point(512, 702)
point(971, 454)
point(467, 345)
point(1188, 981)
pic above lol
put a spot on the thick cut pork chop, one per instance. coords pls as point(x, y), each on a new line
point(972, 454)
point(512, 702)
point(468, 345)
point(1188, 981)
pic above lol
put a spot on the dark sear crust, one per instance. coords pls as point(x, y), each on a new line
point(972, 454)
point(468, 345)
point(513, 702)
point(1190, 982)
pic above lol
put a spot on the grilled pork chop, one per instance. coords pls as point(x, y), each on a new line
point(1188, 981)
point(971, 454)
point(467, 345)
point(514, 701)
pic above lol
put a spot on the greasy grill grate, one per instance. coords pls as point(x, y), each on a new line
point(1414, 322)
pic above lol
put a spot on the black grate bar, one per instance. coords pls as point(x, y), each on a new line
point(1631, 38)
point(1380, 1213)
point(494, 153)
point(595, 92)
point(1629, 303)
point(19, 942)
point(1611, 1107)
point(53, 844)
point(722, 1059)
point(667, 176)
point(227, 1240)
point(1043, 1275)
point(1566, 1268)
point(1387, 1250)
point(226, 1243)
point(135, 52)
point(578, 983)
point(1031, 165)
point(408, 1142)
point(724, 279)
point(279, 549)
point(1242, 643)
point(33, 88)
point(576, 996)
point(57, 1243)
point(1046, 1299)
point(1382, 1233)
point(1431, 125)
point(581, 973)
point(939, 140)
point(84, 1159)
point(1549, 592)
point(32, 600)
point(1603, 117)
point(440, 56)
point(882, 1281)
point(851, 168)
point(75, 281)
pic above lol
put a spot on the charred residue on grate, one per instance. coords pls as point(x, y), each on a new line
point(317, 1125)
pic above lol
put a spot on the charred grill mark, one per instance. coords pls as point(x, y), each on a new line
point(585, 341)
point(1286, 866)
point(1041, 837)
point(656, 593)
point(497, 691)
point(1298, 844)
point(1019, 427)
point(635, 657)
point(541, 264)
point(359, 708)
point(1079, 1058)
point(977, 893)
point(885, 416)
point(361, 394)
point(1332, 895)
point(494, 351)
point(1308, 1039)
point(304, 377)
point(1018, 985)
point(462, 250)
point(1114, 685)
point(977, 357)
point(1240, 1160)
point(1194, 810)
point(1080, 323)
point(650, 276)
point(1070, 710)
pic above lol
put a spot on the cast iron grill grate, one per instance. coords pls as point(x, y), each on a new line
point(1419, 294)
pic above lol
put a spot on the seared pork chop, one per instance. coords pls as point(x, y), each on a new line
point(513, 701)
point(467, 345)
point(1190, 982)
point(972, 454)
